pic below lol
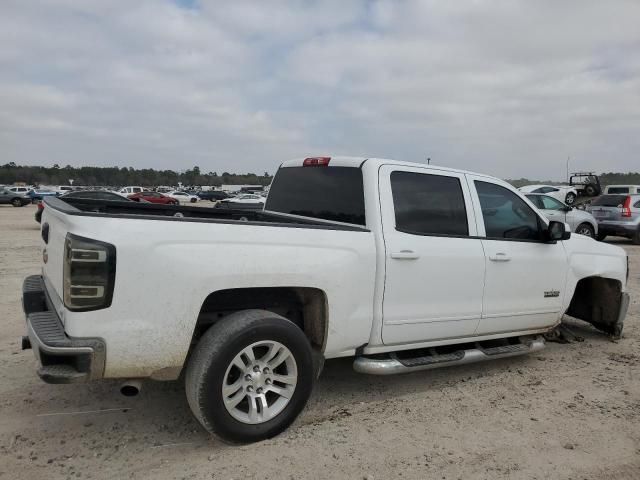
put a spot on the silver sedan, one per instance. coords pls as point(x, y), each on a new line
point(580, 221)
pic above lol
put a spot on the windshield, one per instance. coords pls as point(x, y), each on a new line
point(329, 193)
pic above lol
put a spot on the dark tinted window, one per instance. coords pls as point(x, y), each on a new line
point(618, 190)
point(609, 200)
point(428, 204)
point(330, 193)
point(505, 214)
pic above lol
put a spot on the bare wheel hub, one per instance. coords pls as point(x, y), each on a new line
point(259, 382)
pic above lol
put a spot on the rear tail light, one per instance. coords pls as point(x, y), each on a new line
point(626, 207)
point(40, 205)
point(316, 162)
point(89, 273)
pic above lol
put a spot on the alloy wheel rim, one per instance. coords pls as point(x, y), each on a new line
point(259, 382)
point(585, 231)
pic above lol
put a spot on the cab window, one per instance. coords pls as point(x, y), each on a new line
point(427, 204)
point(505, 214)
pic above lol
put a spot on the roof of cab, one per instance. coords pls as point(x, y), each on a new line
point(345, 161)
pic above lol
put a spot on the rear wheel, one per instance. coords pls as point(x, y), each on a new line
point(601, 236)
point(250, 376)
point(16, 202)
point(570, 198)
point(586, 229)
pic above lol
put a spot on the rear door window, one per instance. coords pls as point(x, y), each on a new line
point(618, 190)
point(550, 203)
point(328, 193)
point(505, 214)
point(609, 201)
point(428, 204)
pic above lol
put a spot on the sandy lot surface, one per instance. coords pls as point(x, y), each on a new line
point(569, 412)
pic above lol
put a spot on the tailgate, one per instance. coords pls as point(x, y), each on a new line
point(606, 213)
point(55, 225)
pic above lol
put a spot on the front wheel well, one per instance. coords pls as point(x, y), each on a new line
point(597, 300)
point(304, 306)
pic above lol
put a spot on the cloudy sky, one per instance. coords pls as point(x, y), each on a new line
point(505, 87)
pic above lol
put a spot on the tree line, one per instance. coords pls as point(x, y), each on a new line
point(11, 173)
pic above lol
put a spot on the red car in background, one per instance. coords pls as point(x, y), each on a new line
point(153, 197)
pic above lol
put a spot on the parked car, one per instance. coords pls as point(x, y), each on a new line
point(12, 196)
point(617, 215)
point(39, 194)
point(563, 193)
point(22, 190)
point(622, 189)
point(213, 195)
point(246, 198)
point(153, 197)
point(62, 189)
point(581, 222)
point(182, 197)
point(88, 194)
point(587, 184)
point(403, 266)
point(126, 191)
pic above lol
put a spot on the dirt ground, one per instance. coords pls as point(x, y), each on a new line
point(569, 412)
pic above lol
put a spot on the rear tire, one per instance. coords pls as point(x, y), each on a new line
point(586, 229)
point(636, 238)
point(570, 199)
point(16, 202)
point(225, 394)
point(601, 236)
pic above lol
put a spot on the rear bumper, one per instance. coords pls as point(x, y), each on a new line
point(62, 359)
point(620, 229)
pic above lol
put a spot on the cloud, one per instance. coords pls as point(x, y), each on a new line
point(504, 87)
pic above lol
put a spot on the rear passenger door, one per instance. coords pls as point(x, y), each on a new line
point(434, 266)
point(525, 276)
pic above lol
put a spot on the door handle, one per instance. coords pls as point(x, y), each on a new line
point(499, 257)
point(405, 255)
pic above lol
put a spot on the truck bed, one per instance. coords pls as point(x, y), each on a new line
point(187, 213)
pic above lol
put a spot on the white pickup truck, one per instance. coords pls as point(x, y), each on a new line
point(403, 266)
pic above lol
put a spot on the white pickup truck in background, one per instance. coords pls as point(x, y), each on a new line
point(403, 266)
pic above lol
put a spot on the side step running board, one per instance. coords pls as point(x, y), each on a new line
point(394, 364)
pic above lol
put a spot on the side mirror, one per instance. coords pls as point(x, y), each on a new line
point(568, 208)
point(557, 231)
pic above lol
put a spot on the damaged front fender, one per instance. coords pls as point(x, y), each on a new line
point(602, 303)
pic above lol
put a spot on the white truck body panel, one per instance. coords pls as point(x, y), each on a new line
point(385, 290)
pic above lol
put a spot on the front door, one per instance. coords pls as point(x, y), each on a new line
point(525, 276)
point(434, 265)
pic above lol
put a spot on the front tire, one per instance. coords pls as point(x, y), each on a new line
point(250, 376)
point(601, 236)
point(16, 202)
point(586, 229)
